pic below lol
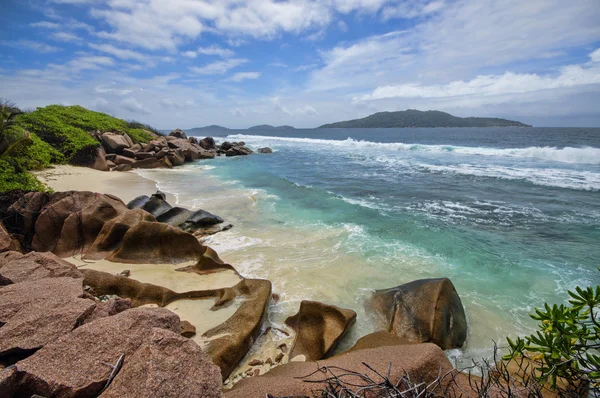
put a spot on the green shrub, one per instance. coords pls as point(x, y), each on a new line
point(11, 179)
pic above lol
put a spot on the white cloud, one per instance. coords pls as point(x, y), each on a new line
point(278, 64)
point(189, 54)
point(131, 104)
point(30, 45)
point(119, 52)
point(412, 9)
point(219, 67)
point(45, 24)
point(240, 76)
point(595, 56)
point(216, 50)
point(65, 36)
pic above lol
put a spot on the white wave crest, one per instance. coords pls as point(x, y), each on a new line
point(583, 155)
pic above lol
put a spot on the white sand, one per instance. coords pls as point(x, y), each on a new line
point(125, 185)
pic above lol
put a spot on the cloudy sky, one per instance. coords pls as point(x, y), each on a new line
point(189, 63)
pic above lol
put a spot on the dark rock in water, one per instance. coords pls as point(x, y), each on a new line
point(226, 145)
point(319, 328)
point(238, 151)
point(156, 206)
point(208, 230)
point(178, 133)
point(138, 202)
point(159, 194)
point(175, 216)
point(208, 143)
point(426, 310)
point(202, 218)
point(264, 150)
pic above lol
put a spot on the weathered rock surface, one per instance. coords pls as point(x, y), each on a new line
point(319, 328)
point(152, 163)
point(187, 329)
point(108, 308)
point(208, 143)
point(377, 339)
point(156, 206)
point(166, 365)
point(34, 266)
point(70, 222)
point(240, 150)
point(94, 158)
point(122, 167)
point(422, 362)
point(176, 157)
point(72, 365)
point(199, 219)
point(115, 143)
point(175, 216)
point(426, 310)
point(178, 133)
point(119, 160)
point(264, 150)
point(7, 242)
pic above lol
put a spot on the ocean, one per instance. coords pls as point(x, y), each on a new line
point(510, 215)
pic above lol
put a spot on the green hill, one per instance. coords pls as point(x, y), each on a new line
point(415, 118)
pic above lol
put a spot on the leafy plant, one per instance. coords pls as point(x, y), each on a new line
point(566, 346)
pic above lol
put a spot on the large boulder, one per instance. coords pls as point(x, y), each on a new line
point(166, 365)
point(152, 163)
point(200, 219)
point(422, 363)
point(118, 160)
point(153, 242)
point(426, 310)
point(264, 150)
point(115, 143)
point(74, 365)
point(176, 157)
point(94, 158)
point(70, 222)
point(22, 214)
point(178, 133)
point(7, 242)
point(156, 205)
point(175, 216)
point(34, 266)
point(318, 328)
point(208, 143)
point(36, 313)
point(111, 235)
point(238, 150)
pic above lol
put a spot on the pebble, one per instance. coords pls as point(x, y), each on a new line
point(279, 357)
point(256, 362)
point(283, 348)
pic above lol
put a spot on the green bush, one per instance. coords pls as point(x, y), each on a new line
point(11, 179)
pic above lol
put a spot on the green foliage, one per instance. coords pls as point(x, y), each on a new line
point(140, 135)
point(568, 341)
point(11, 179)
point(415, 118)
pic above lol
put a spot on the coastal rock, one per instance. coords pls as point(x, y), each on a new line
point(7, 242)
point(118, 160)
point(115, 143)
point(231, 340)
point(156, 206)
point(319, 328)
point(70, 222)
point(423, 363)
point(166, 365)
point(190, 151)
point(175, 216)
point(187, 329)
point(239, 150)
point(122, 167)
point(146, 155)
point(111, 236)
point(129, 153)
point(22, 215)
point(161, 154)
point(208, 143)
point(176, 157)
point(152, 242)
point(152, 163)
point(192, 140)
point(178, 133)
point(110, 164)
point(264, 150)
point(72, 365)
point(111, 307)
point(138, 202)
point(376, 340)
point(34, 266)
point(136, 148)
point(426, 310)
point(94, 158)
point(201, 218)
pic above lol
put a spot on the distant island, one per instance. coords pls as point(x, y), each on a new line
point(269, 127)
point(415, 118)
point(207, 130)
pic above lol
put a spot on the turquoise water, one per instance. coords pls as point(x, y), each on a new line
point(511, 216)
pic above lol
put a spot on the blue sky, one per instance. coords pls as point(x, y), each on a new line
point(189, 63)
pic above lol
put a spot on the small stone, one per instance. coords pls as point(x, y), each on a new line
point(269, 361)
point(279, 357)
point(125, 273)
point(283, 347)
point(187, 329)
point(256, 362)
point(256, 372)
point(275, 297)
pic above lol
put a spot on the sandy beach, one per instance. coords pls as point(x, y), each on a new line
point(125, 185)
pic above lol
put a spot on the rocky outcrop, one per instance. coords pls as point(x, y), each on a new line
point(318, 328)
point(35, 313)
point(34, 266)
point(426, 310)
point(115, 143)
point(7, 242)
point(73, 365)
point(94, 158)
point(166, 365)
point(178, 133)
point(152, 163)
point(264, 150)
point(377, 339)
point(208, 143)
point(423, 363)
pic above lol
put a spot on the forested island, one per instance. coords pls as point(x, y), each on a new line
point(416, 118)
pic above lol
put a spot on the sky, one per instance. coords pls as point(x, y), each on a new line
point(235, 63)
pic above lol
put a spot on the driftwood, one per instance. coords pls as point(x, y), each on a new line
point(115, 370)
